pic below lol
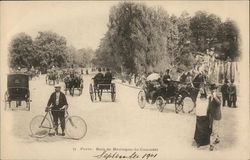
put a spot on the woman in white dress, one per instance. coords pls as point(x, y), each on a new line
point(202, 130)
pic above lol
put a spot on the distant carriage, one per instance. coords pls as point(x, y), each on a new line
point(72, 83)
point(52, 77)
point(17, 90)
point(101, 86)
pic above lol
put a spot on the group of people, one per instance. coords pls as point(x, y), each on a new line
point(208, 117)
point(208, 109)
point(58, 103)
point(229, 93)
point(103, 78)
point(159, 84)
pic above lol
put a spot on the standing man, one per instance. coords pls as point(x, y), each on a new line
point(214, 114)
point(224, 91)
point(58, 104)
point(232, 94)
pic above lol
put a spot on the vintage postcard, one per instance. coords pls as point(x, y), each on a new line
point(124, 80)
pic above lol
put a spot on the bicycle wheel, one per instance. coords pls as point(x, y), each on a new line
point(40, 126)
point(76, 127)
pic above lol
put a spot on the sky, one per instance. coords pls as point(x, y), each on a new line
point(84, 23)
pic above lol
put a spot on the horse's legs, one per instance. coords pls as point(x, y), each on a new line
point(73, 89)
point(95, 94)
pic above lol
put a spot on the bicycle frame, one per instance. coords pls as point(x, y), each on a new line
point(51, 120)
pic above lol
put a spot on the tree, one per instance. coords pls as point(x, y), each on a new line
point(51, 49)
point(139, 38)
point(22, 52)
point(83, 57)
point(228, 35)
point(204, 29)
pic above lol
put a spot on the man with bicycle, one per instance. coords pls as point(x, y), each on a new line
point(58, 104)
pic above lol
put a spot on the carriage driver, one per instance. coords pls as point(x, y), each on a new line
point(58, 104)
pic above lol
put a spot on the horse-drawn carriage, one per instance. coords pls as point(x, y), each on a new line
point(17, 90)
point(174, 93)
point(154, 93)
point(101, 86)
point(73, 82)
point(52, 76)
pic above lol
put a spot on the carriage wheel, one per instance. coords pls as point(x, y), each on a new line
point(142, 99)
point(18, 103)
point(91, 92)
point(160, 103)
point(80, 91)
point(28, 105)
point(6, 100)
point(178, 104)
point(99, 95)
point(113, 92)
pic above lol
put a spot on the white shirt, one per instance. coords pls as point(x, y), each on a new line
point(57, 98)
point(201, 107)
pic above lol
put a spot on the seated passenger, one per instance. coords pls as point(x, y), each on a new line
point(166, 79)
point(98, 77)
point(108, 76)
point(153, 82)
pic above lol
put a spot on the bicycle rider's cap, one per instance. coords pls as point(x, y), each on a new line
point(57, 86)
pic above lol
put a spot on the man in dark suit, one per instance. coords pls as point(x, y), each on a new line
point(232, 94)
point(214, 114)
point(108, 76)
point(224, 91)
point(98, 77)
point(58, 104)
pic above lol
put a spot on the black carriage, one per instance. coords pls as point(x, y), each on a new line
point(73, 83)
point(154, 93)
point(101, 86)
point(17, 90)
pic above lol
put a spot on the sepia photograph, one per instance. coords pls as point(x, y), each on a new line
point(124, 80)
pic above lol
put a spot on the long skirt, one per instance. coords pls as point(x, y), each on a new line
point(202, 130)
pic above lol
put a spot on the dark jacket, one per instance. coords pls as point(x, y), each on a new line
point(232, 90)
point(214, 108)
point(108, 75)
point(224, 89)
point(62, 100)
point(165, 78)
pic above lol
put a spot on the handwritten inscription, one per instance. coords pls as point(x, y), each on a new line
point(116, 155)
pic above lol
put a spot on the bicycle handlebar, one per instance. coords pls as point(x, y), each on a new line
point(57, 110)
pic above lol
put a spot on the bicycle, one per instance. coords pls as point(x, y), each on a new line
point(75, 126)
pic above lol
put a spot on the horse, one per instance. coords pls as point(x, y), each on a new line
point(192, 90)
point(51, 77)
point(73, 82)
